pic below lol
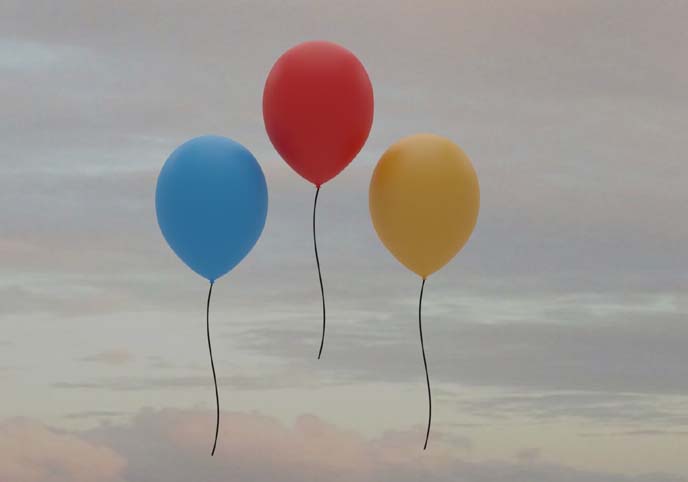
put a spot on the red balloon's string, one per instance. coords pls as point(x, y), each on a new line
point(317, 261)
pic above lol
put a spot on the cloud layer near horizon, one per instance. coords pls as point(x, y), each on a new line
point(172, 446)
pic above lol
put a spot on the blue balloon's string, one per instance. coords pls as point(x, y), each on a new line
point(425, 362)
point(317, 261)
point(212, 365)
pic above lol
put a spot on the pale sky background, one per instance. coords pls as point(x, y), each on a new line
point(557, 339)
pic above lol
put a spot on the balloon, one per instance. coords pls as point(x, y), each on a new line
point(211, 201)
point(424, 199)
point(318, 109)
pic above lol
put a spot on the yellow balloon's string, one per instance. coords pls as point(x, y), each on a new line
point(212, 365)
point(317, 261)
point(425, 363)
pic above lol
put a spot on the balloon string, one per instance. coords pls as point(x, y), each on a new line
point(317, 261)
point(212, 365)
point(425, 363)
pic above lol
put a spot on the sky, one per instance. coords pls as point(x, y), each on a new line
point(557, 340)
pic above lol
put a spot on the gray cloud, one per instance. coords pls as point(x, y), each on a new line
point(161, 383)
point(636, 354)
point(113, 357)
point(528, 454)
point(95, 414)
point(636, 433)
point(598, 407)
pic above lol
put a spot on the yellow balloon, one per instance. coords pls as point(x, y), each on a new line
point(424, 201)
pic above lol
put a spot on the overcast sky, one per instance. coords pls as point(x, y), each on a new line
point(557, 340)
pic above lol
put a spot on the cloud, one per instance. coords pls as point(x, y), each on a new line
point(173, 446)
point(636, 433)
point(617, 352)
point(129, 383)
point(598, 407)
point(528, 455)
point(32, 452)
point(113, 357)
point(94, 414)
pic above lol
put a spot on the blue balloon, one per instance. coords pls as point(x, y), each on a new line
point(211, 201)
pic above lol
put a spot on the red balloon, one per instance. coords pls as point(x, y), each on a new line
point(318, 108)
